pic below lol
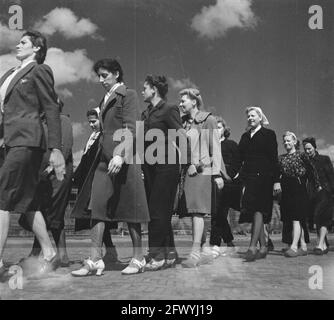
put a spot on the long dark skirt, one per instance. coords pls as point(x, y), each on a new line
point(257, 196)
point(322, 207)
point(294, 201)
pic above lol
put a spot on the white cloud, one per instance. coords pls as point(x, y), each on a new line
point(78, 129)
point(179, 84)
point(64, 93)
point(65, 22)
point(214, 21)
point(7, 61)
point(9, 38)
point(69, 67)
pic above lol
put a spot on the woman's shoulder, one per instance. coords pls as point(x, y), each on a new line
point(268, 131)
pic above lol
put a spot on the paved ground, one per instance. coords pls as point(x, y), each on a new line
point(228, 277)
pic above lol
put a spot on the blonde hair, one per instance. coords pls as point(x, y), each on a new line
point(294, 137)
point(193, 94)
point(258, 110)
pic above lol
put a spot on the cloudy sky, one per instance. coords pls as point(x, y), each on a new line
point(237, 52)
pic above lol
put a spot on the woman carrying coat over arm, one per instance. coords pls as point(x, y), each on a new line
point(117, 190)
point(259, 174)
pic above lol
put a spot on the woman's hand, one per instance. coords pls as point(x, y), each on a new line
point(115, 165)
point(277, 188)
point(57, 162)
point(192, 171)
point(220, 182)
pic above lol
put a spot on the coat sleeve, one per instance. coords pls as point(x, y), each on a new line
point(48, 103)
point(218, 165)
point(236, 161)
point(330, 173)
point(174, 121)
point(273, 155)
point(125, 146)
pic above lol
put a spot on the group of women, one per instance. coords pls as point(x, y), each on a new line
point(113, 189)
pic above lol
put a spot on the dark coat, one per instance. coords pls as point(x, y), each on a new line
point(231, 157)
point(53, 195)
point(85, 164)
point(120, 198)
point(325, 172)
point(30, 93)
point(259, 171)
point(166, 117)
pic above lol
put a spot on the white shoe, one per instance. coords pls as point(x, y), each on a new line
point(135, 266)
point(90, 267)
point(214, 251)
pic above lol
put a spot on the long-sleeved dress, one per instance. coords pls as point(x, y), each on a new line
point(296, 170)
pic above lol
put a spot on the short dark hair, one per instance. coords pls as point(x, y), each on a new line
point(38, 40)
point(92, 112)
point(310, 140)
point(112, 65)
point(160, 82)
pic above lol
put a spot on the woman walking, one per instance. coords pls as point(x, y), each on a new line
point(205, 170)
point(296, 170)
point(117, 190)
point(260, 176)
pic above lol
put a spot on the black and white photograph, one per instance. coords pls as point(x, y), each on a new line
point(167, 154)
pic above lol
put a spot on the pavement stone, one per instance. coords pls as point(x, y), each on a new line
point(228, 277)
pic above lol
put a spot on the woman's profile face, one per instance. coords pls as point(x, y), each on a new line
point(289, 143)
point(25, 48)
point(186, 104)
point(94, 123)
point(253, 119)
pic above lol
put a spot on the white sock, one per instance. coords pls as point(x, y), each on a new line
point(1, 263)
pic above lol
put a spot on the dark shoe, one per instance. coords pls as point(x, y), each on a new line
point(154, 265)
point(318, 251)
point(284, 250)
point(325, 251)
point(4, 275)
point(270, 245)
point(250, 256)
point(64, 264)
point(261, 255)
point(302, 252)
point(291, 253)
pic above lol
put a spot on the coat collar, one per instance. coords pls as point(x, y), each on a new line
point(201, 116)
point(18, 76)
point(6, 75)
point(260, 131)
point(120, 90)
point(150, 109)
